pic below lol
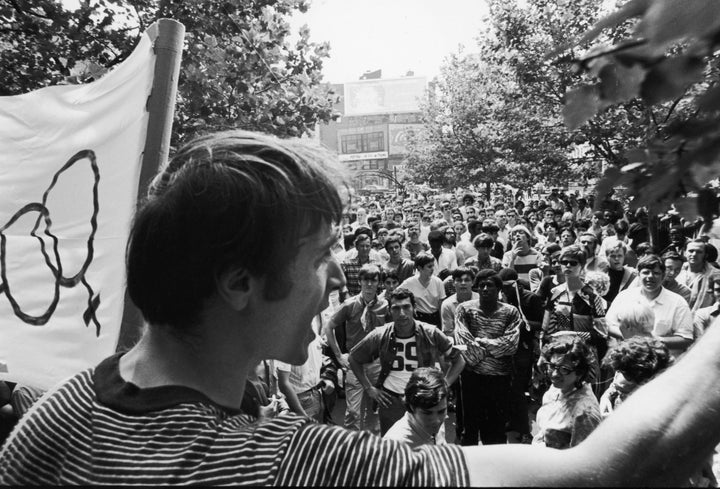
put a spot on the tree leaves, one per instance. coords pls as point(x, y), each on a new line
point(667, 59)
point(671, 20)
point(619, 83)
point(238, 67)
point(581, 104)
point(670, 78)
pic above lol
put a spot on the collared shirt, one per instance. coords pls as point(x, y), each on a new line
point(672, 314)
point(408, 431)
point(124, 434)
point(564, 420)
point(349, 316)
point(431, 345)
point(703, 318)
point(500, 332)
point(699, 284)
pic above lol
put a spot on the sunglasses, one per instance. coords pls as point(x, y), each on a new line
point(569, 263)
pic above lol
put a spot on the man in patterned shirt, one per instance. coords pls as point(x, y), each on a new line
point(168, 411)
point(486, 387)
point(351, 266)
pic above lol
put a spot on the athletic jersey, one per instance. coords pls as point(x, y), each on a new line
point(98, 429)
point(405, 363)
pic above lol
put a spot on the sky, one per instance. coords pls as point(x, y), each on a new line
point(396, 36)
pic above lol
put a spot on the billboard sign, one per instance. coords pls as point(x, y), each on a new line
point(398, 95)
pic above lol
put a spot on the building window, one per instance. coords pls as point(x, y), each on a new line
point(362, 143)
point(373, 164)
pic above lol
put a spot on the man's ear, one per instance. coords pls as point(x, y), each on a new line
point(236, 286)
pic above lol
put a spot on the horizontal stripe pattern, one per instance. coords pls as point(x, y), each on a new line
point(71, 438)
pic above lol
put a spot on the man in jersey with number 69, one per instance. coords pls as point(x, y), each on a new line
point(402, 346)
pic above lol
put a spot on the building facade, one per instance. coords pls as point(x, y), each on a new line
point(370, 136)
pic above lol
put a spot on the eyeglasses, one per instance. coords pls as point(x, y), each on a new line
point(561, 369)
point(569, 263)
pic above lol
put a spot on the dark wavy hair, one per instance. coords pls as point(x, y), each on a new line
point(576, 350)
point(230, 199)
point(425, 389)
point(639, 358)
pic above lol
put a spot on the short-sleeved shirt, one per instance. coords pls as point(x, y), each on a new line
point(522, 264)
point(98, 429)
point(564, 420)
point(427, 299)
point(672, 314)
point(349, 315)
point(703, 318)
point(306, 376)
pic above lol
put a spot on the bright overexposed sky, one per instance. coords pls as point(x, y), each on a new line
point(396, 36)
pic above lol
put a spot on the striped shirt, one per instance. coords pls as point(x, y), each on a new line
point(500, 332)
point(98, 429)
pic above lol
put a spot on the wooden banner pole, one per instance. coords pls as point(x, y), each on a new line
point(161, 108)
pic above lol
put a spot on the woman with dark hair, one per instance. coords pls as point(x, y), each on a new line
point(570, 411)
point(635, 361)
point(575, 307)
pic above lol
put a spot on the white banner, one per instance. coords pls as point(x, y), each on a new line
point(70, 159)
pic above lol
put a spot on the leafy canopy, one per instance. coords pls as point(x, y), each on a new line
point(239, 69)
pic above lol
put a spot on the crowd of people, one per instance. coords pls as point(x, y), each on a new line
point(549, 301)
point(410, 308)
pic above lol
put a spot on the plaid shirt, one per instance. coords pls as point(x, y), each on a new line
point(351, 267)
point(500, 332)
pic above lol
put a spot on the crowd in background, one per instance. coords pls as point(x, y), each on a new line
point(489, 307)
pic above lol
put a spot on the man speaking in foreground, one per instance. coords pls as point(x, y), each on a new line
point(217, 299)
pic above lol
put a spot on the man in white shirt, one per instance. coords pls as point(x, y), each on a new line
point(445, 258)
point(673, 319)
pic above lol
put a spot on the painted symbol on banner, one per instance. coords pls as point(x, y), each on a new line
point(41, 224)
